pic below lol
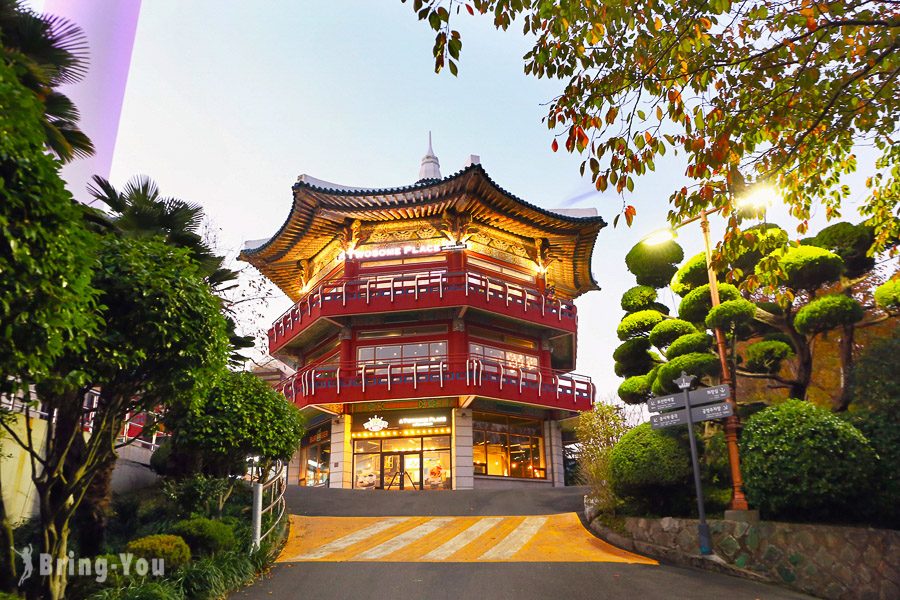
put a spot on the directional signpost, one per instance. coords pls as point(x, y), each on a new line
point(687, 408)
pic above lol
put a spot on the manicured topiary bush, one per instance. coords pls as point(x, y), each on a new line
point(638, 324)
point(648, 466)
point(640, 297)
point(850, 242)
point(731, 313)
point(692, 274)
point(171, 548)
point(699, 364)
point(667, 331)
point(768, 238)
point(635, 390)
point(632, 350)
point(800, 461)
point(887, 295)
point(205, 536)
point(827, 313)
point(696, 305)
point(808, 267)
point(766, 356)
point(654, 264)
point(686, 344)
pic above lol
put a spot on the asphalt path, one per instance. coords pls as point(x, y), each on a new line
point(475, 580)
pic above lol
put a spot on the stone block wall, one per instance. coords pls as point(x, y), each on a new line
point(825, 561)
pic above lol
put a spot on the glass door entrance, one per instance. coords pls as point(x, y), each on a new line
point(401, 471)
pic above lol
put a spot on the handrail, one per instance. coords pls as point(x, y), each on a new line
point(276, 484)
point(330, 291)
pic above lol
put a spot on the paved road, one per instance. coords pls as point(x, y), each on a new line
point(460, 545)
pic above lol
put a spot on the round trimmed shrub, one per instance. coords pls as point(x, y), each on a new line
point(638, 324)
point(632, 369)
point(766, 356)
point(800, 461)
point(632, 350)
point(887, 295)
point(692, 274)
point(171, 548)
point(666, 332)
point(731, 313)
point(699, 364)
point(828, 312)
point(686, 344)
point(697, 304)
point(635, 390)
point(779, 336)
point(769, 238)
point(808, 267)
point(647, 464)
point(205, 536)
point(850, 242)
point(640, 297)
point(654, 265)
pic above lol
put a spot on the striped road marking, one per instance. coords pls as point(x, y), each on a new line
point(353, 538)
point(516, 540)
point(463, 539)
point(547, 538)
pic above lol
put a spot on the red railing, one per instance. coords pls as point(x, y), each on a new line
point(420, 290)
point(438, 376)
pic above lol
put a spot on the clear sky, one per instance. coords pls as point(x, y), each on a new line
point(228, 102)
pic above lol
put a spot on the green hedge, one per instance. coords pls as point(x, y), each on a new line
point(687, 344)
point(640, 297)
point(697, 304)
point(649, 467)
point(800, 461)
point(205, 536)
point(638, 324)
point(887, 295)
point(766, 356)
point(828, 312)
point(666, 332)
point(654, 265)
point(700, 364)
point(171, 548)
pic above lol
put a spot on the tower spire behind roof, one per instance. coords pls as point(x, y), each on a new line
point(431, 166)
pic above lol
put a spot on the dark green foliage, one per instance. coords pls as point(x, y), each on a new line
point(766, 356)
point(660, 307)
point(686, 344)
point(887, 295)
point(850, 242)
point(210, 578)
point(649, 467)
point(159, 460)
point(171, 548)
point(635, 390)
point(769, 237)
point(828, 312)
point(653, 265)
point(699, 364)
point(143, 590)
point(808, 267)
point(731, 314)
point(666, 332)
point(205, 536)
point(692, 274)
point(882, 429)
point(638, 324)
point(199, 494)
point(640, 297)
point(875, 381)
point(46, 255)
point(803, 462)
point(633, 368)
point(778, 336)
point(697, 304)
point(633, 350)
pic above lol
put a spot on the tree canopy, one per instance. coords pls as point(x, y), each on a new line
point(749, 92)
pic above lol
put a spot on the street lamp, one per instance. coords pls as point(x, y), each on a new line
point(758, 198)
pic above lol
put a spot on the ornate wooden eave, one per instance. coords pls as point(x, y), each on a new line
point(322, 215)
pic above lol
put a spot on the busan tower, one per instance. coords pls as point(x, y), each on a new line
point(433, 331)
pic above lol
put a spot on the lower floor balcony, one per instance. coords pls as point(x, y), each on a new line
point(466, 377)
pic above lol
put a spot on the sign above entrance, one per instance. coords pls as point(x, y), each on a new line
point(397, 251)
point(375, 423)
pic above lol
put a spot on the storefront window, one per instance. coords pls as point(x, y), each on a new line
point(403, 462)
point(507, 446)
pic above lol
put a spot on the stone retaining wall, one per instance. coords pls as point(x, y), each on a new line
point(829, 562)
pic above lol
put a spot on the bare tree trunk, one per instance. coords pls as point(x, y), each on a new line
point(8, 559)
point(91, 517)
point(842, 401)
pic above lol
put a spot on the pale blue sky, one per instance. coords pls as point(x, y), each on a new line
point(228, 102)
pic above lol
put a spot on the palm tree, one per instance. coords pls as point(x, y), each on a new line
point(48, 51)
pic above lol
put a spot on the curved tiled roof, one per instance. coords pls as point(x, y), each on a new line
point(319, 211)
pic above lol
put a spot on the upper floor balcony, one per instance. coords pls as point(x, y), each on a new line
point(462, 376)
point(422, 291)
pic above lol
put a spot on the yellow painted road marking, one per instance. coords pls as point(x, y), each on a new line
point(463, 539)
point(515, 540)
point(549, 538)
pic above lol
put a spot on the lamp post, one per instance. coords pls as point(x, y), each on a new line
point(759, 197)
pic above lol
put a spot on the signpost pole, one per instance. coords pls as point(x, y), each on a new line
point(684, 382)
